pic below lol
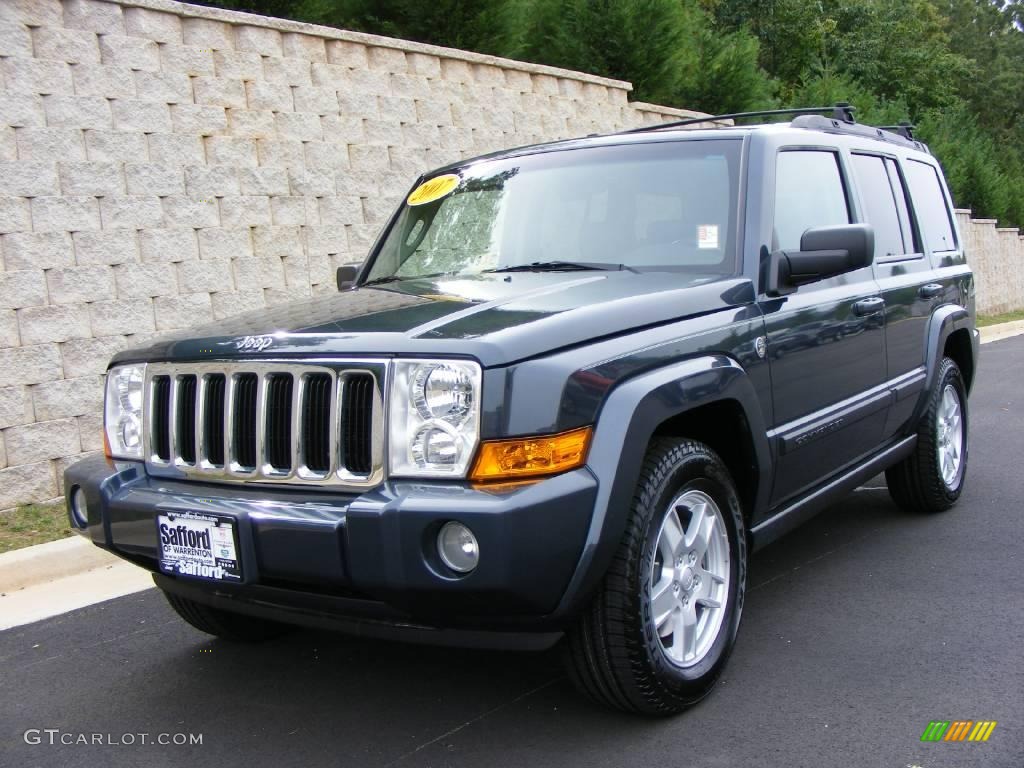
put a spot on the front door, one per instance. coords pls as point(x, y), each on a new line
point(826, 344)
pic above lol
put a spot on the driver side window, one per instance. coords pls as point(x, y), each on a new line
point(808, 193)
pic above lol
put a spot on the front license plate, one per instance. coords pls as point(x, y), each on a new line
point(198, 545)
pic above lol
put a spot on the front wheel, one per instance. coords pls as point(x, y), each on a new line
point(657, 634)
point(932, 478)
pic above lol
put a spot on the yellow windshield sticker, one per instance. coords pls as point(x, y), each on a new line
point(433, 189)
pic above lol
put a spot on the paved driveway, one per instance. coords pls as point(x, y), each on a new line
point(860, 628)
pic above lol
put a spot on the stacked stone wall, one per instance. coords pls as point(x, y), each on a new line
point(996, 255)
point(163, 165)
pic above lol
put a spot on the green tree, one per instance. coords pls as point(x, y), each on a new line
point(824, 87)
point(789, 32)
point(978, 170)
point(728, 77)
point(668, 49)
point(644, 41)
point(980, 142)
point(991, 35)
point(897, 50)
point(955, 66)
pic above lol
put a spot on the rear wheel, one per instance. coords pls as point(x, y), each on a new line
point(658, 632)
point(224, 624)
point(932, 477)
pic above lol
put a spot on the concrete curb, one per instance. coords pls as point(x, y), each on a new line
point(54, 560)
point(1001, 331)
point(75, 555)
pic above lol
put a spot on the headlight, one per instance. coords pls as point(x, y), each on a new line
point(435, 417)
point(122, 416)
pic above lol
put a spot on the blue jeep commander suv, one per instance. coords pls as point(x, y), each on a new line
point(570, 390)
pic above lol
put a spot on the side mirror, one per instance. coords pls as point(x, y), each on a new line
point(824, 252)
point(347, 276)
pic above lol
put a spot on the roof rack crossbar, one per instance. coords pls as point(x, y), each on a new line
point(840, 111)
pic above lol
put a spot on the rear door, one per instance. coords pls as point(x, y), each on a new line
point(941, 277)
point(826, 345)
point(904, 275)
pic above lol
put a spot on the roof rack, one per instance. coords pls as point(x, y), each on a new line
point(840, 111)
point(904, 128)
point(818, 123)
point(837, 118)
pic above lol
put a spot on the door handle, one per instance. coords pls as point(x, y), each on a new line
point(930, 291)
point(868, 306)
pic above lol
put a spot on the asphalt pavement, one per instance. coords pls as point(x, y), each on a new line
point(860, 628)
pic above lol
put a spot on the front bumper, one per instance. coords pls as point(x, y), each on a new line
point(318, 558)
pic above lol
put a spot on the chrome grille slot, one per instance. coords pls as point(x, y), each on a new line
point(243, 436)
point(212, 430)
point(356, 443)
point(185, 419)
point(316, 424)
point(161, 413)
point(315, 444)
point(278, 429)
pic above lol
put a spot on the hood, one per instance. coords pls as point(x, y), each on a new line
point(495, 318)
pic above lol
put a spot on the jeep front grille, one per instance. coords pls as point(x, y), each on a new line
point(316, 424)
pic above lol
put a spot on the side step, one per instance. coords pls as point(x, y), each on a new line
point(803, 509)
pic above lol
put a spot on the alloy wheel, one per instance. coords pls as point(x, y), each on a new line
point(689, 581)
point(950, 443)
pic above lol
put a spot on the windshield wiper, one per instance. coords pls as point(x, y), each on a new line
point(382, 280)
point(535, 266)
point(396, 278)
point(563, 266)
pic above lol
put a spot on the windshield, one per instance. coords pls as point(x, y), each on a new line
point(668, 206)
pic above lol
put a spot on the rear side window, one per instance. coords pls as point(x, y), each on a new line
point(910, 240)
point(808, 193)
point(930, 206)
point(880, 205)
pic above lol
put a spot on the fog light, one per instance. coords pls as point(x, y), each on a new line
point(458, 548)
point(79, 508)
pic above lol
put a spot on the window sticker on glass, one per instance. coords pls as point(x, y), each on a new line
point(433, 189)
point(707, 236)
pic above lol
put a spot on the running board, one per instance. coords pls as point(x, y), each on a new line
point(807, 507)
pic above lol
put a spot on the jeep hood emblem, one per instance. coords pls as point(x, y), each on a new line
point(258, 343)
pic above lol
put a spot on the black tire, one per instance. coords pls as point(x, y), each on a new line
point(235, 627)
point(916, 483)
point(614, 654)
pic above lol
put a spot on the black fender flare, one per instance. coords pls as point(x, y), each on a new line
point(944, 321)
point(625, 425)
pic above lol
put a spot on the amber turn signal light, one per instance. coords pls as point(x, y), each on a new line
point(531, 457)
